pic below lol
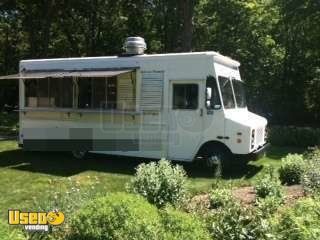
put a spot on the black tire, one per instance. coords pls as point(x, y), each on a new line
point(218, 160)
point(79, 154)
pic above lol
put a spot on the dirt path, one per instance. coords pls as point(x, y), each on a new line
point(247, 196)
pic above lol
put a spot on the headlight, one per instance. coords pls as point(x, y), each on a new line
point(253, 133)
point(265, 134)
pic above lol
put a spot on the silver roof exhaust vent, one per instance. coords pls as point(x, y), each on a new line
point(134, 46)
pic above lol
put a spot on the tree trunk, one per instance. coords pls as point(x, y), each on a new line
point(187, 11)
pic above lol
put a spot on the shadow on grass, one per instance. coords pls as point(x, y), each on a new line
point(63, 164)
point(238, 171)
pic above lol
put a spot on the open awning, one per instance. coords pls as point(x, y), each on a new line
point(63, 74)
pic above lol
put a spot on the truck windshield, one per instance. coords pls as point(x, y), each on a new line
point(229, 100)
point(227, 93)
point(240, 93)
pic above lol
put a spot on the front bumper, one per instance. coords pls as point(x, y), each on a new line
point(255, 155)
point(261, 150)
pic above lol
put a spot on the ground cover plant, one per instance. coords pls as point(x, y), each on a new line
point(300, 221)
point(116, 216)
point(8, 233)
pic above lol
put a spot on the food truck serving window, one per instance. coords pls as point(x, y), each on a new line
point(97, 93)
point(50, 92)
point(113, 89)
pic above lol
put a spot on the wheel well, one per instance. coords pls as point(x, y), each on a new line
point(212, 144)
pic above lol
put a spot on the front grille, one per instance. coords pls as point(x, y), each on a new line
point(259, 136)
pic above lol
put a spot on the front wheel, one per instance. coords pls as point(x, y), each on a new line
point(79, 154)
point(218, 161)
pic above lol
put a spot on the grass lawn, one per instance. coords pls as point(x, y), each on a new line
point(26, 176)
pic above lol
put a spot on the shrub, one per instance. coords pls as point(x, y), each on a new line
point(269, 205)
point(10, 233)
point(116, 216)
point(268, 186)
point(294, 136)
point(160, 183)
point(292, 169)
point(237, 222)
point(179, 225)
point(300, 222)
point(220, 198)
point(311, 176)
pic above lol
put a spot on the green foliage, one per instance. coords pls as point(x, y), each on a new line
point(269, 205)
point(116, 216)
point(276, 41)
point(311, 176)
point(237, 222)
point(300, 222)
point(268, 186)
point(160, 183)
point(179, 225)
point(292, 168)
point(294, 136)
point(9, 232)
point(67, 200)
point(220, 198)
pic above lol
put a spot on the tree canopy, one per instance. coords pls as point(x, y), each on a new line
point(276, 41)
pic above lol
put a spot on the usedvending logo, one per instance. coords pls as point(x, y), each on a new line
point(35, 221)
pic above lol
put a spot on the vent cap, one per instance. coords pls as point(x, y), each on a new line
point(134, 46)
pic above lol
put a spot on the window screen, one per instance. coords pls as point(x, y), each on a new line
point(85, 93)
point(112, 93)
point(61, 91)
point(185, 96)
point(97, 93)
point(31, 92)
point(49, 92)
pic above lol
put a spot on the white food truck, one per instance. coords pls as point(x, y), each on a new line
point(181, 107)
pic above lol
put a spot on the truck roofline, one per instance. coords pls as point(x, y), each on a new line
point(217, 57)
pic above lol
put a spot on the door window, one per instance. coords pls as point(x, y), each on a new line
point(212, 94)
point(185, 96)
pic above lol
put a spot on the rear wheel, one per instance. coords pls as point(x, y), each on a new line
point(79, 154)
